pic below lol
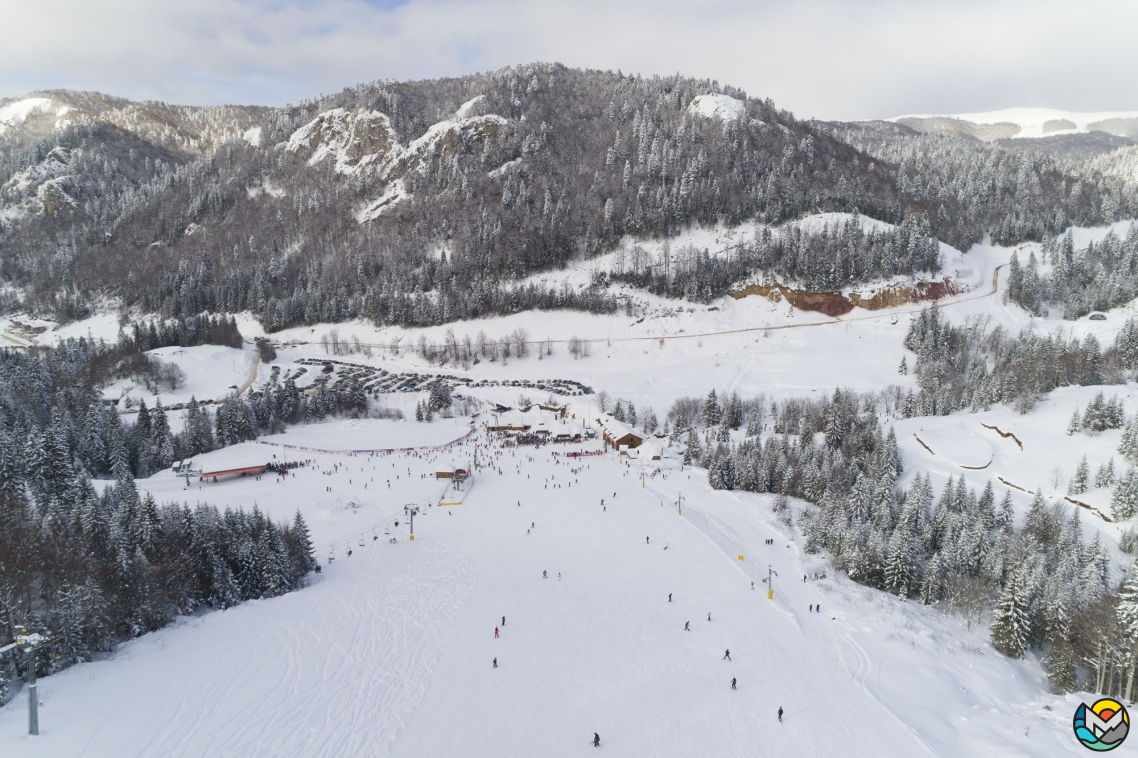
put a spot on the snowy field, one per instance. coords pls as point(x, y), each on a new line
point(390, 652)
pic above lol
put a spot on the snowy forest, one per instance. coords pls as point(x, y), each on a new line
point(98, 567)
point(275, 211)
point(1042, 585)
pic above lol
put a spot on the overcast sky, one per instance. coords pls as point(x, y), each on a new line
point(838, 59)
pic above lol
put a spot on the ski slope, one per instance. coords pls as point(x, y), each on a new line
point(390, 652)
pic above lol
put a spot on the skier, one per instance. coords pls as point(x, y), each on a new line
point(495, 663)
point(726, 655)
point(544, 574)
point(503, 621)
point(596, 740)
point(495, 632)
point(687, 626)
point(709, 615)
point(818, 608)
point(669, 597)
point(804, 578)
point(647, 541)
point(780, 714)
point(811, 607)
point(732, 679)
point(752, 585)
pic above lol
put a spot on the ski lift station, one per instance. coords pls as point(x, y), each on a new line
point(617, 434)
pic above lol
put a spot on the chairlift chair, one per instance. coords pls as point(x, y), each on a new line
point(386, 530)
point(361, 541)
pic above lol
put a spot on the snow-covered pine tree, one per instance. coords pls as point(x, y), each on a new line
point(1010, 623)
point(1074, 425)
point(1078, 483)
point(712, 413)
point(1104, 477)
point(1128, 446)
point(1124, 499)
point(693, 451)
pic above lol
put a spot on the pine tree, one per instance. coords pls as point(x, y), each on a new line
point(1128, 447)
point(712, 413)
point(900, 566)
point(1010, 623)
point(1124, 499)
point(692, 452)
point(1104, 477)
point(1074, 425)
point(1078, 483)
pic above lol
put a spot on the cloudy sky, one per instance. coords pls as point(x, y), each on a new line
point(829, 59)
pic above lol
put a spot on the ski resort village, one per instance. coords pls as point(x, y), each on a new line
point(552, 411)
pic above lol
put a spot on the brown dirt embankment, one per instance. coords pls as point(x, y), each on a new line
point(837, 304)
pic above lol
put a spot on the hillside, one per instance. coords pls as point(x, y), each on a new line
point(423, 202)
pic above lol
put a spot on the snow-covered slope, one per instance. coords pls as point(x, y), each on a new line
point(716, 106)
point(1025, 123)
point(392, 652)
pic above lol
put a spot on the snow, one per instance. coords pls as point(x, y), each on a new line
point(391, 196)
point(1036, 122)
point(466, 108)
point(211, 373)
point(716, 106)
point(14, 114)
point(253, 136)
point(389, 653)
point(371, 434)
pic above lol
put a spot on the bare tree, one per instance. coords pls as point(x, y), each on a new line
point(521, 342)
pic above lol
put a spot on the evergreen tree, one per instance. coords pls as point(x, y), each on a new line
point(1010, 622)
point(1078, 483)
point(712, 413)
point(1124, 499)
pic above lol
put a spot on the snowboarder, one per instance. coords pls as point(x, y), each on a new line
point(687, 626)
point(780, 714)
point(495, 632)
point(503, 621)
point(596, 740)
point(495, 663)
point(726, 655)
point(732, 679)
point(544, 574)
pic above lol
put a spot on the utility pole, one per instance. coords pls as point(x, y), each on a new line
point(770, 582)
point(680, 505)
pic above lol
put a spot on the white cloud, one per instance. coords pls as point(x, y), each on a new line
point(856, 59)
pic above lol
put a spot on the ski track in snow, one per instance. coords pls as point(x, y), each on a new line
point(380, 642)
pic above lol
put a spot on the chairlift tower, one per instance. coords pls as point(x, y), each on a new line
point(28, 642)
point(411, 510)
